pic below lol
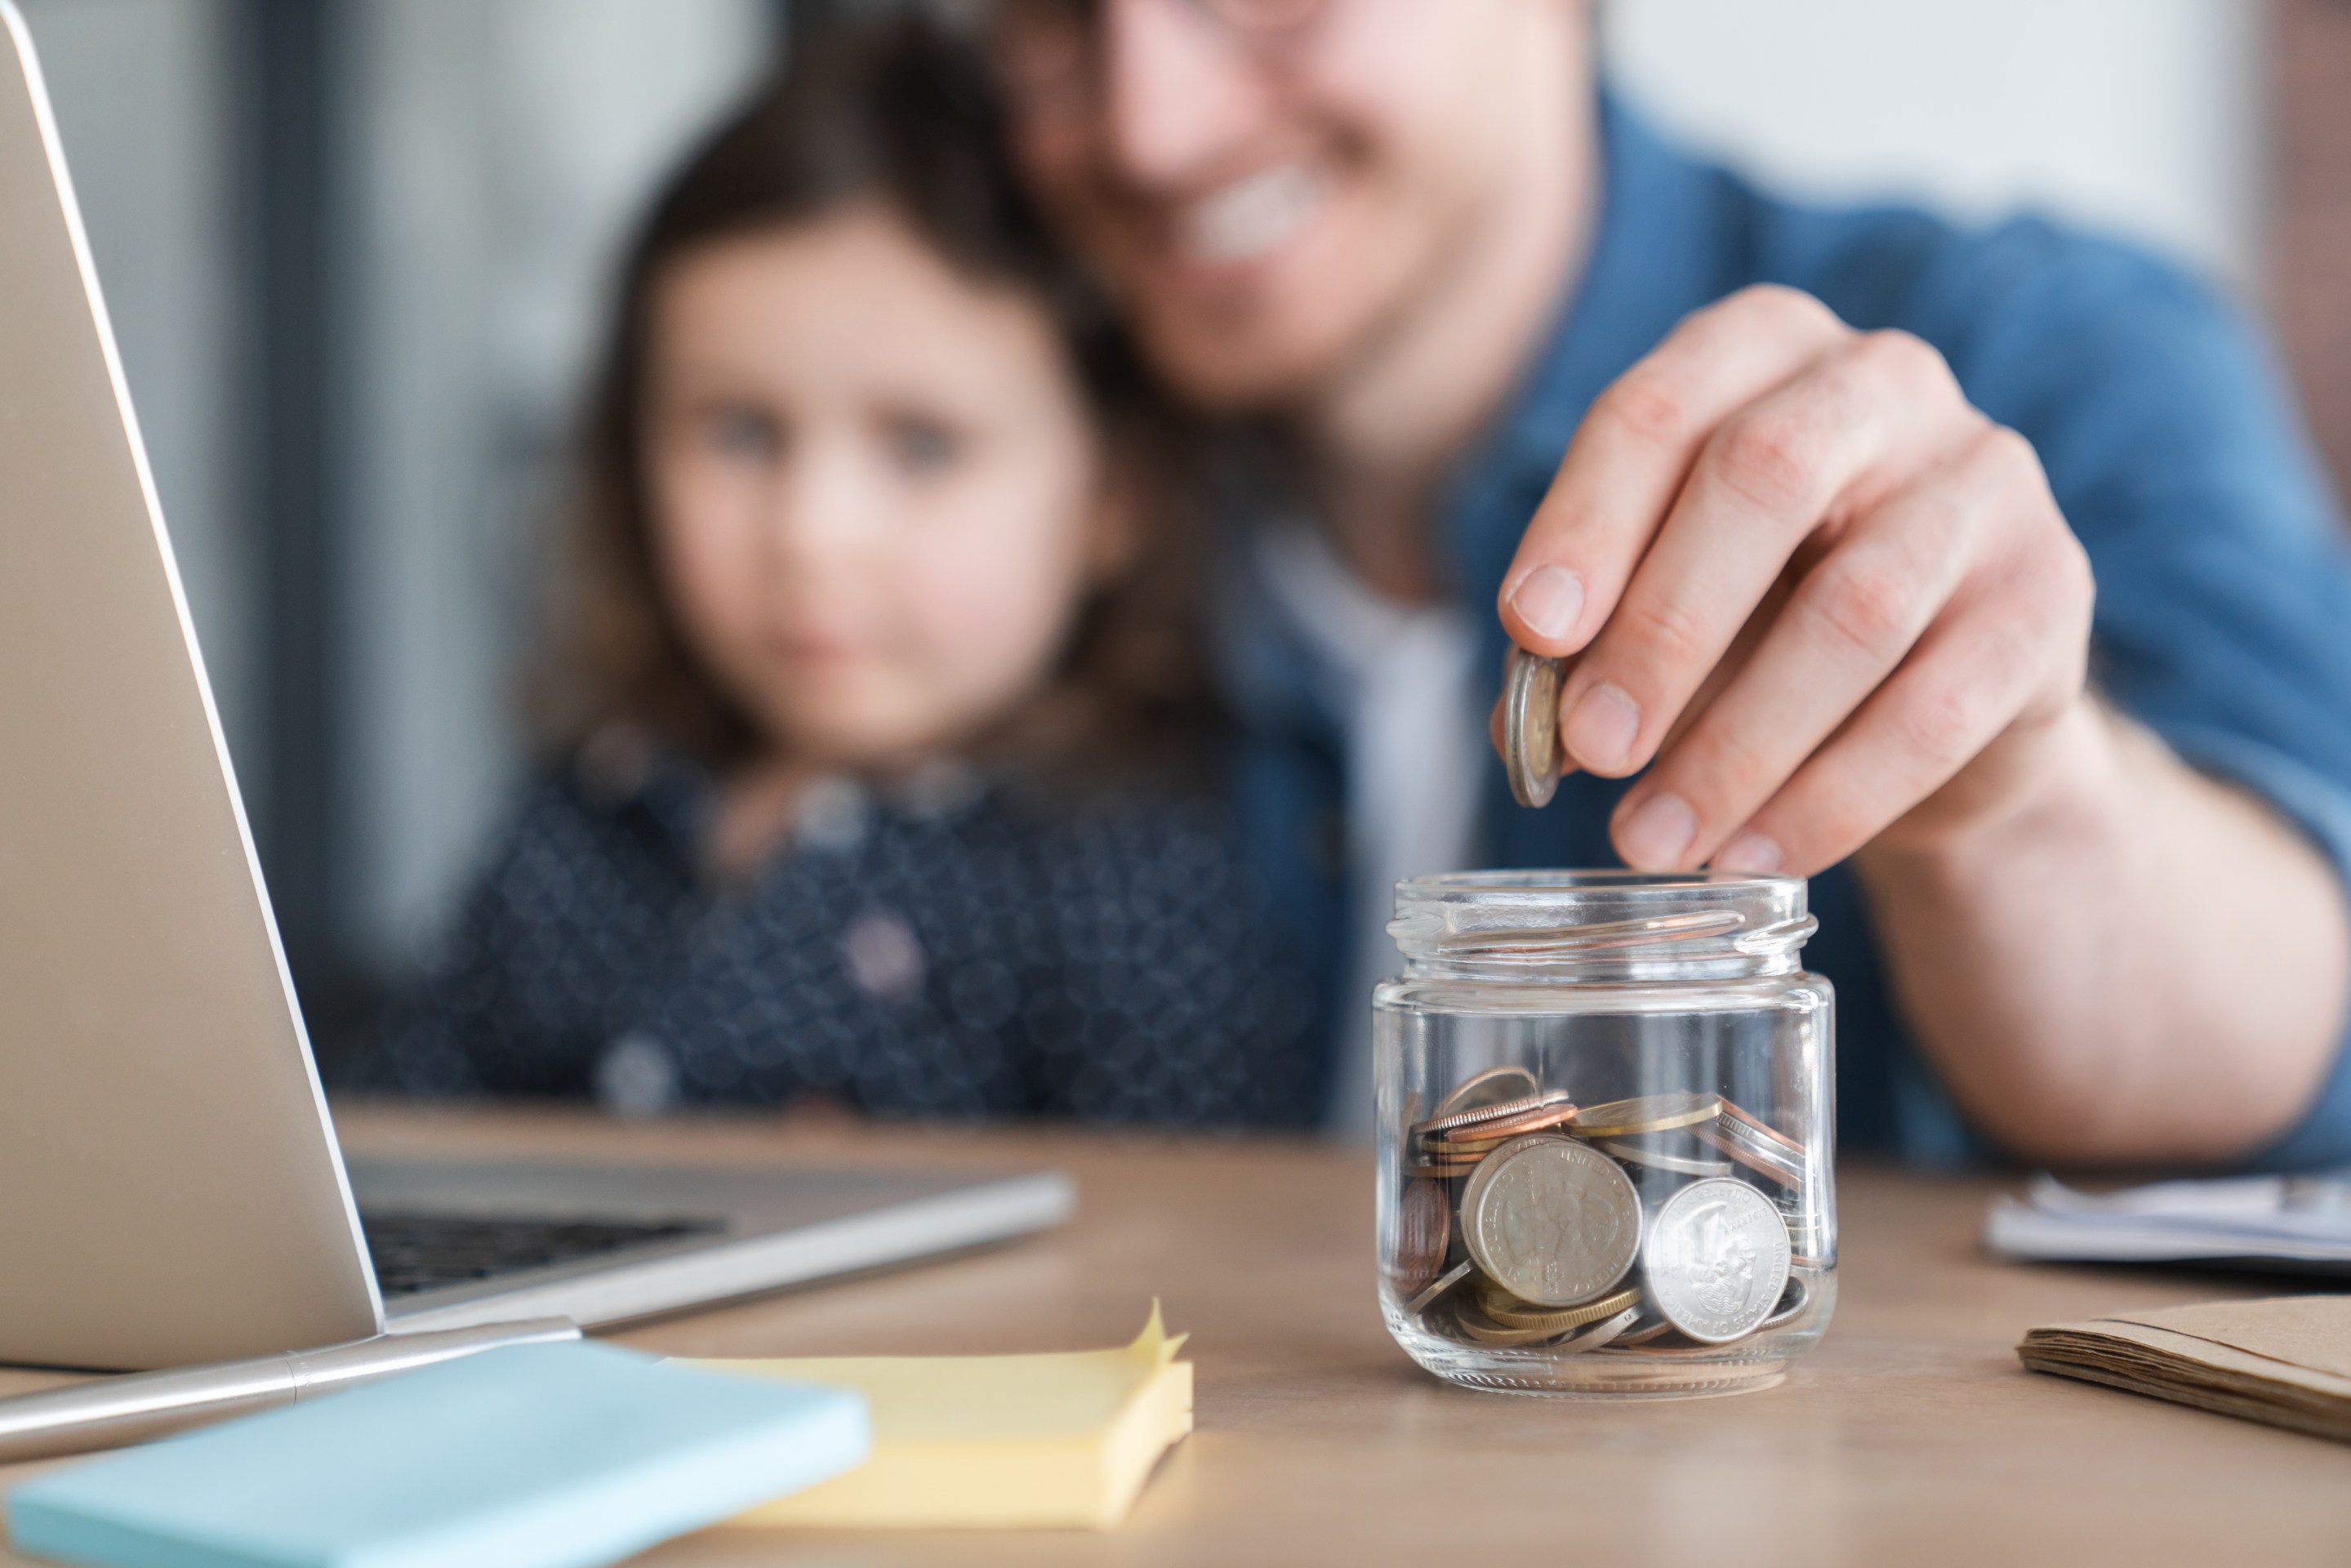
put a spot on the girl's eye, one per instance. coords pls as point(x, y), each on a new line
point(739, 430)
point(921, 447)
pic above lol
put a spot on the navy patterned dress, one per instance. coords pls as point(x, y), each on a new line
point(949, 948)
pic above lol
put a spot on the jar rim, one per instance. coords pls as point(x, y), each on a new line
point(1601, 919)
point(1537, 881)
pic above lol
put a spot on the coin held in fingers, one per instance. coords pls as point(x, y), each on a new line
point(1530, 726)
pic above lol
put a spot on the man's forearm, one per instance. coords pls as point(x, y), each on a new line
point(2112, 958)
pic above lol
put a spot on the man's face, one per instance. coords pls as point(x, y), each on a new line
point(1271, 186)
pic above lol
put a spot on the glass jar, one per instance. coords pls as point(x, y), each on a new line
point(1605, 1112)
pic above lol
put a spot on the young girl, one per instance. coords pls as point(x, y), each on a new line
point(881, 635)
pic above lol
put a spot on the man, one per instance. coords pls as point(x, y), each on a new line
point(1814, 500)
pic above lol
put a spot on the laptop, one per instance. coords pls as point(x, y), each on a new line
point(170, 1189)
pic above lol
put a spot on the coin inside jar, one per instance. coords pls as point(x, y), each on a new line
point(1559, 1341)
point(1513, 1313)
point(1752, 1122)
point(1716, 1259)
point(1479, 1090)
point(1423, 1228)
point(1442, 1283)
point(1530, 726)
point(1792, 1303)
point(1472, 1121)
point(1741, 1140)
point(1649, 1114)
point(1558, 1113)
point(1484, 1138)
point(1552, 1221)
point(1641, 1154)
point(1600, 1333)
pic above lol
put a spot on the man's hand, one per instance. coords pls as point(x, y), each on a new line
point(1799, 571)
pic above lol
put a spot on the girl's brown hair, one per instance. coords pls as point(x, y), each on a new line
point(904, 114)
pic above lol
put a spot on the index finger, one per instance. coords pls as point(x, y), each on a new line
point(1633, 450)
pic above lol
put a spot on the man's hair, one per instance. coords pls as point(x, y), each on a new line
point(900, 112)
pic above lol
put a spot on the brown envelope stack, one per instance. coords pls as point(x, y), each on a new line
point(2285, 1361)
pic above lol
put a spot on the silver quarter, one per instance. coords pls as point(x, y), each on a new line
point(1716, 1259)
point(1530, 726)
point(1466, 1123)
point(1482, 1091)
point(1552, 1221)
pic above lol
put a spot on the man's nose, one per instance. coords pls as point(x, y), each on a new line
point(1180, 95)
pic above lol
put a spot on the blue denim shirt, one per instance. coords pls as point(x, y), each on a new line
point(2223, 618)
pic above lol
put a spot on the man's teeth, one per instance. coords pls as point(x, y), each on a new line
point(1251, 217)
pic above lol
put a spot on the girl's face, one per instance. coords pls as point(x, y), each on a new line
point(876, 491)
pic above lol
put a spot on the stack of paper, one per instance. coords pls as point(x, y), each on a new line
point(1006, 1441)
point(2301, 1224)
point(2286, 1362)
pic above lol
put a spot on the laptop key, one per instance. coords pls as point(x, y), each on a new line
point(414, 1252)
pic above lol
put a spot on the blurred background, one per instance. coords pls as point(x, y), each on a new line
point(356, 252)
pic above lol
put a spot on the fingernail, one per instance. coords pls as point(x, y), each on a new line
point(1600, 728)
point(1749, 851)
point(1654, 837)
point(1548, 600)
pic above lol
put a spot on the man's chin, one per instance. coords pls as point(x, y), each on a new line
point(1238, 362)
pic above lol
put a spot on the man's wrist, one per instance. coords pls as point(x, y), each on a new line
point(2066, 778)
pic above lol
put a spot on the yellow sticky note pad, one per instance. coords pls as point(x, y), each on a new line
point(1002, 1442)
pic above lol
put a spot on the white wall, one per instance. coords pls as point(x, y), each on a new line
point(503, 149)
point(2143, 115)
point(141, 93)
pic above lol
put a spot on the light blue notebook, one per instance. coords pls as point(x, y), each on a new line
point(543, 1456)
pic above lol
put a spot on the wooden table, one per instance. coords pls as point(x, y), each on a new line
point(1911, 1436)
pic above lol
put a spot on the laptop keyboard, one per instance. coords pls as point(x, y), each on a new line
point(416, 1252)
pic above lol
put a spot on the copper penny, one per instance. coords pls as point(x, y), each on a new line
point(1424, 1230)
point(1446, 1151)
